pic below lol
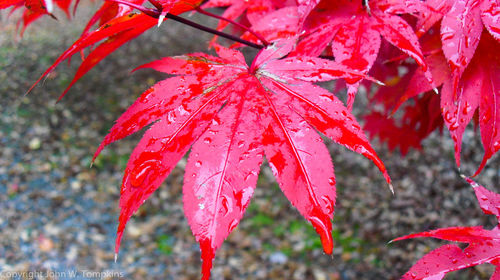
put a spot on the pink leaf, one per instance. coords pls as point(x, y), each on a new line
point(230, 113)
point(217, 189)
point(460, 32)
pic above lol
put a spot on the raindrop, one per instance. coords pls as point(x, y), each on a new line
point(486, 116)
point(326, 97)
point(139, 174)
point(331, 181)
point(232, 225)
point(227, 205)
point(328, 204)
point(454, 261)
point(207, 140)
point(241, 144)
point(248, 177)
point(454, 126)
point(165, 140)
point(496, 145)
point(183, 110)
point(448, 117)
point(197, 163)
point(467, 108)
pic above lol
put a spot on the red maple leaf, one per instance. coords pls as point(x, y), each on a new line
point(233, 115)
point(121, 28)
point(484, 245)
point(354, 32)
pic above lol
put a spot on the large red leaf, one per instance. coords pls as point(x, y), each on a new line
point(231, 113)
point(484, 245)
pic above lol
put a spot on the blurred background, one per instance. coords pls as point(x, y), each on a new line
point(59, 215)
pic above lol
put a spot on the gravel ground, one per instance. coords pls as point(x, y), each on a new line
point(59, 216)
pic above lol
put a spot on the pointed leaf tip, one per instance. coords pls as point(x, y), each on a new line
point(207, 256)
point(325, 233)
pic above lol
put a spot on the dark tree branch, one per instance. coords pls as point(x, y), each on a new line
point(156, 14)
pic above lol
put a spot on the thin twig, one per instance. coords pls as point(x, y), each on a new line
point(213, 31)
point(246, 28)
point(156, 14)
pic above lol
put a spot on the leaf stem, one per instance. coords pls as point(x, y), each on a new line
point(213, 31)
point(156, 14)
point(246, 28)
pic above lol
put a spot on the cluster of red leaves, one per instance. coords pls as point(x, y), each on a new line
point(34, 9)
point(221, 106)
point(459, 40)
point(484, 245)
